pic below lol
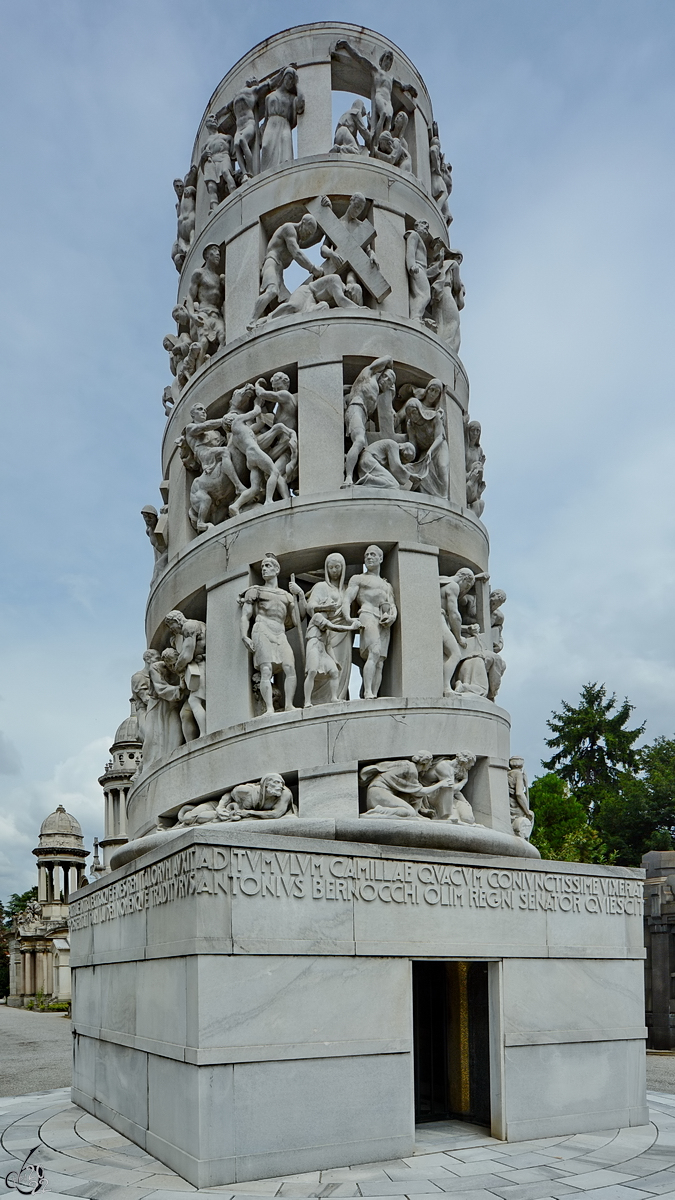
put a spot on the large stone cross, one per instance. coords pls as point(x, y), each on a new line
point(350, 248)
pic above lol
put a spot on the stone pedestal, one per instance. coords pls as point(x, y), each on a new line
point(243, 1000)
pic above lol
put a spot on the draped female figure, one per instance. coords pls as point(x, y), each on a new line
point(424, 419)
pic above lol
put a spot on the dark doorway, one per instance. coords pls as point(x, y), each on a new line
point(451, 1044)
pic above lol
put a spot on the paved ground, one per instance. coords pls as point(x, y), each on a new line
point(661, 1072)
point(82, 1157)
point(35, 1051)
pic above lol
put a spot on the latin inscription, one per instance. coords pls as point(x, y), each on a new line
point(276, 875)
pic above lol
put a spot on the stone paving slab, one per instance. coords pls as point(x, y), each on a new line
point(85, 1159)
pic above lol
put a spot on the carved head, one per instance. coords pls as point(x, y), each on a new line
point(168, 342)
point(290, 80)
point(170, 656)
point(280, 382)
point(407, 452)
point(473, 432)
point(307, 229)
point(211, 123)
point(175, 620)
point(387, 60)
point(387, 379)
point(269, 567)
point(178, 187)
point(198, 413)
point(516, 764)
point(497, 598)
point(400, 123)
point(252, 82)
point(422, 227)
point(373, 557)
point(335, 569)
point(358, 106)
point(356, 205)
point(211, 254)
point(386, 143)
point(433, 392)
point(466, 579)
point(423, 760)
point(272, 785)
point(149, 515)
point(150, 656)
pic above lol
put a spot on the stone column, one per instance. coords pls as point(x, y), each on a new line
point(42, 883)
point(242, 279)
point(28, 973)
point(315, 125)
point(321, 428)
point(229, 698)
point(180, 530)
point(455, 428)
point(660, 986)
point(421, 156)
point(329, 791)
point(390, 253)
point(415, 666)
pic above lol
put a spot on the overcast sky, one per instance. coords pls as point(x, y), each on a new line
point(557, 116)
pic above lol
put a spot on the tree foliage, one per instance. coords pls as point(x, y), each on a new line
point(592, 744)
point(561, 828)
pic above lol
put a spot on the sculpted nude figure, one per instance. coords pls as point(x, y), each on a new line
point(204, 302)
point(377, 612)
point(272, 611)
point(260, 465)
point(382, 82)
point(453, 587)
point(245, 108)
point(361, 404)
point(283, 248)
point(203, 448)
point(394, 788)
point(351, 123)
point(185, 212)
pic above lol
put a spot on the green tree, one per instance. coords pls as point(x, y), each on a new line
point(14, 906)
point(592, 744)
point(638, 813)
point(561, 828)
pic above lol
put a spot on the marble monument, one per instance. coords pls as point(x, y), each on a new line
point(327, 836)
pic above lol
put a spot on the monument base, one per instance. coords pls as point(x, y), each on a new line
point(250, 1004)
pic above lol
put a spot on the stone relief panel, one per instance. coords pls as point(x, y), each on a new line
point(247, 457)
point(268, 799)
point(425, 786)
point(349, 262)
point(435, 288)
point(323, 622)
point(169, 693)
point(396, 436)
point(380, 77)
point(469, 668)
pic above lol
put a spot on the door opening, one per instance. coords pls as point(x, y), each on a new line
point(451, 1041)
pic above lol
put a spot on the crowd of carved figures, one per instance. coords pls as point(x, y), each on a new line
point(253, 133)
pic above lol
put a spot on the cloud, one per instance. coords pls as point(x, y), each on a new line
point(10, 760)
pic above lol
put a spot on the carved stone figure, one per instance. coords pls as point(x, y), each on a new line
point(471, 676)
point(348, 247)
point(280, 410)
point(141, 691)
point(272, 611)
point(475, 459)
point(382, 83)
point(447, 300)
point(361, 404)
point(394, 150)
point(283, 248)
point(188, 639)
point(217, 163)
point(374, 597)
point(418, 240)
point(266, 475)
point(163, 731)
point(267, 800)
point(403, 158)
point(453, 589)
point(394, 788)
point(423, 415)
point(319, 661)
point(497, 599)
point(245, 107)
point(441, 175)
point(352, 124)
point(448, 803)
point(203, 449)
point(327, 597)
point(168, 401)
point(522, 817)
point(186, 193)
point(386, 464)
point(204, 303)
point(157, 540)
point(282, 107)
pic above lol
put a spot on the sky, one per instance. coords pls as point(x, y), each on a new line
point(558, 118)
